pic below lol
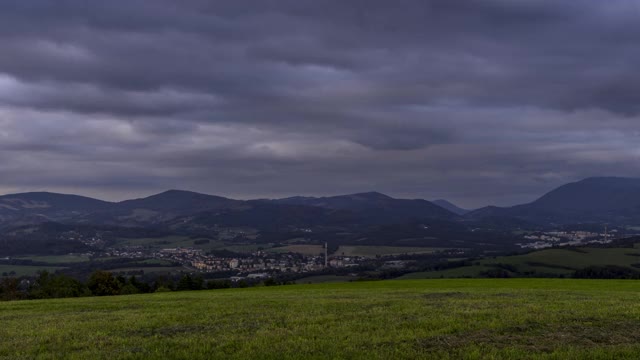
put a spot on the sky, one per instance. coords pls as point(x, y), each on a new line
point(478, 102)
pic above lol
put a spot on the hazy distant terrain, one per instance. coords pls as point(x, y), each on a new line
point(593, 200)
point(356, 226)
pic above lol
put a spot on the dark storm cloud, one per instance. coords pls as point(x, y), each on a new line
point(268, 98)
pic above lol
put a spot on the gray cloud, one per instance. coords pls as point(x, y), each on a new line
point(477, 101)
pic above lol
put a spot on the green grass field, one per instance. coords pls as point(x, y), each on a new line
point(245, 248)
point(549, 261)
point(25, 270)
point(151, 269)
point(186, 242)
point(372, 251)
point(461, 272)
point(57, 259)
point(410, 319)
point(170, 242)
point(318, 279)
point(310, 250)
point(159, 262)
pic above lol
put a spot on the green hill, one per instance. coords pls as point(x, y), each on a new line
point(596, 200)
point(543, 263)
point(424, 319)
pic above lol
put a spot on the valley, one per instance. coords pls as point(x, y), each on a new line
point(367, 235)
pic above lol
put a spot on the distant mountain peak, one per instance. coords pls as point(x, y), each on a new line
point(177, 192)
point(371, 195)
point(450, 206)
point(607, 178)
point(296, 198)
point(177, 195)
point(594, 199)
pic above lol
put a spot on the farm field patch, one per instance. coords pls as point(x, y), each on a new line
point(372, 251)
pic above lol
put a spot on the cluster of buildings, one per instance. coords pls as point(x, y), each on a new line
point(256, 264)
point(128, 252)
point(260, 261)
point(198, 259)
point(96, 240)
point(547, 239)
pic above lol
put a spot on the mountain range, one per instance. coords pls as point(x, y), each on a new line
point(602, 199)
point(375, 206)
point(176, 206)
point(445, 204)
point(599, 199)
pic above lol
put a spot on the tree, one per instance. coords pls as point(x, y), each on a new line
point(218, 284)
point(270, 282)
point(606, 272)
point(47, 286)
point(197, 283)
point(102, 283)
point(185, 283)
point(162, 281)
point(495, 273)
point(10, 289)
point(129, 289)
point(141, 286)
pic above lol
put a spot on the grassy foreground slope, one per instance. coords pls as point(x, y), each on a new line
point(411, 319)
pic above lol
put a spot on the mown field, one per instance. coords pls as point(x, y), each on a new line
point(317, 279)
point(411, 319)
point(25, 270)
point(308, 250)
point(57, 259)
point(373, 251)
point(171, 242)
point(55, 263)
point(559, 262)
point(187, 242)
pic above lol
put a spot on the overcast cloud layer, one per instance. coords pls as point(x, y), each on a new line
point(480, 102)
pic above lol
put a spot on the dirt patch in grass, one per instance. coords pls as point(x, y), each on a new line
point(169, 331)
point(506, 295)
point(539, 337)
point(445, 295)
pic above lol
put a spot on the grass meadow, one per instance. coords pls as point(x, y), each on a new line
point(308, 250)
point(373, 251)
point(402, 319)
point(57, 259)
point(25, 270)
point(549, 261)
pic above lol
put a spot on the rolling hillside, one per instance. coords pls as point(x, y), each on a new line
point(600, 199)
point(450, 206)
point(18, 209)
point(556, 262)
point(27, 208)
point(606, 199)
point(376, 207)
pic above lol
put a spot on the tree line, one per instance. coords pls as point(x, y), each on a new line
point(48, 285)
